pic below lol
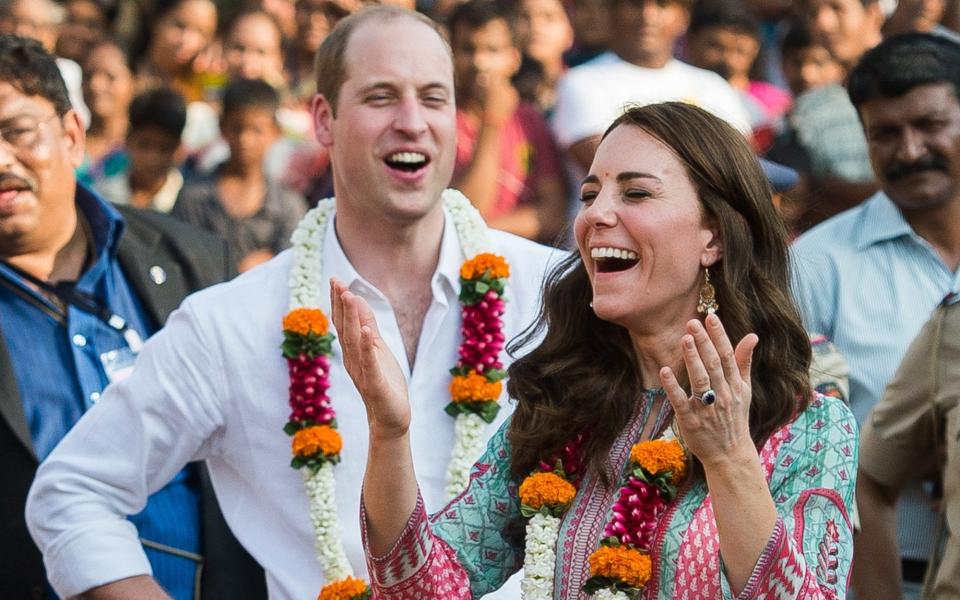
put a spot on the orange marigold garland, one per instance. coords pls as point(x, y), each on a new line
point(350, 588)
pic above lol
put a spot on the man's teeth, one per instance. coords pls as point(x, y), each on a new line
point(408, 157)
point(596, 253)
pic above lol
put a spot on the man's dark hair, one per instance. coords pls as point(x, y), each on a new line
point(475, 14)
point(724, 14)
point(902, 63)
point(32, 71)
point(249, 93)
point(159, 108)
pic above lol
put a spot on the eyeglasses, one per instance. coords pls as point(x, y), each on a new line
point(24, 134)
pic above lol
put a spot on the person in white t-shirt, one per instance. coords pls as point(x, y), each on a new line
point(214, 384)
point(639, 69)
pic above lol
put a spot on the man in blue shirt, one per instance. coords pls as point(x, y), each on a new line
point(81, 286)
point(870, 277)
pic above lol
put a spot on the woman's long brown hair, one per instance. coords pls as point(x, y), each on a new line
point(583, 376)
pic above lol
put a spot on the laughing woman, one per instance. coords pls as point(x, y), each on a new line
point(666, 443)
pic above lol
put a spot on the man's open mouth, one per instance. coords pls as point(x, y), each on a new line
point(410, 162)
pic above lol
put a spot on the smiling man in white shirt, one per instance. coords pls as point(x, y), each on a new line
point(213, 384)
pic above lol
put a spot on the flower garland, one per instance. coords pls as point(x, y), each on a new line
point(545, 496)
point(621, 566)
point(308, 345)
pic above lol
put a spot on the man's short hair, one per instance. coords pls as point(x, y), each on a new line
point(159, 108)
point(904, 62)
point(33, 71)
point(798, 38)
point(686, 4)
point(475, 14)
point(249, 93)
point(723, 14)
point(330, 64)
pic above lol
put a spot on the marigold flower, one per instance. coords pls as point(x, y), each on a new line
point(474, 388)
point(483, 263)
point(318, 438)
point(344, 589)
point(546, 489)
point(627, 565)
point(660, 456)
point(306, 320)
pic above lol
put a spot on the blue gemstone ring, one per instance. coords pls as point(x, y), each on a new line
point(708, 397)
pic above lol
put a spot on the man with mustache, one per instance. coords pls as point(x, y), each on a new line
point(870, 277)
point(81, 286)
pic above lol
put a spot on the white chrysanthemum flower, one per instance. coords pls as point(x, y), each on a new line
point(467, 447)
point(608, 594)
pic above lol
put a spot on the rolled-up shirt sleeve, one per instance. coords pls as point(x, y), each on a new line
point(131, 443)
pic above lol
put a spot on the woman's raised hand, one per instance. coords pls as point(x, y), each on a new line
point(719, 429)
point(370, 364)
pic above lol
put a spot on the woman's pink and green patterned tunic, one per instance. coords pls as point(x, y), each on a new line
point(474, 544)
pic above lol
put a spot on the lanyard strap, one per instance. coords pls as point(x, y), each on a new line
point(67, 293)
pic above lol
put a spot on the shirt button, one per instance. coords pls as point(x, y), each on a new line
point(79, 341)
point(94, 396)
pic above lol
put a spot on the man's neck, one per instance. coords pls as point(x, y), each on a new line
point(61, 257)
point(392, 256)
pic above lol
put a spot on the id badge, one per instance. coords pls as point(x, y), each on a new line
point(118, 364)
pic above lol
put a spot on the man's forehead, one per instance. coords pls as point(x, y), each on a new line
point(918, 102)
point(381, 49)
point(14, 102)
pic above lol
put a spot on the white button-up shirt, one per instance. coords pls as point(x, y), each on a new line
point(212, 385)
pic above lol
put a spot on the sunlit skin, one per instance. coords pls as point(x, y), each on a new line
point(846, 27)
point(181, 35)
point(919, 129)
point(398, 97)
point(31, 19)
point(809, 68)
point(253, 50)
point(84, 25)
point(153, 152)
point(591, 23)
point(644, 31)
point(108, 89)
point(638, 197)
point(249, 131)
point(37, 213)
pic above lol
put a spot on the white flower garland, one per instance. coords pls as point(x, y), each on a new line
point(540, 557)
point(306, 291)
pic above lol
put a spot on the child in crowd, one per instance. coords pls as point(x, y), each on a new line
point(724, 37)
point(239, 202)
point(253, 48)
point(108, 90)
point(183, 29)
point(152, 179)
point(807, 64)
point(507, 162)
point(545, 34)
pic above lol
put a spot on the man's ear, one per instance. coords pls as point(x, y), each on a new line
point(323, 118)
point(75, 137)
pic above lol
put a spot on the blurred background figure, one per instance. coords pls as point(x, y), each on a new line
point(182, 31)
point(807, 64)
point(108, 89)
point(253, 48)
point(591, 29)
point(40, 20)
point(151, 179)
point(724, 37)
point(545, 35)
point(507, 163)
point(85, 23)
point(239, 202)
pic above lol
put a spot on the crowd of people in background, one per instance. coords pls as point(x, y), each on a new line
point(537, 82)
point(205, 110)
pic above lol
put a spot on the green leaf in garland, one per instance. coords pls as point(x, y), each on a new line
point(485, 410)
point(494, 375)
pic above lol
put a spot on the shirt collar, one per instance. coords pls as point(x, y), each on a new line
point(881, 221)
point(446, 278)
point(106, 223)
